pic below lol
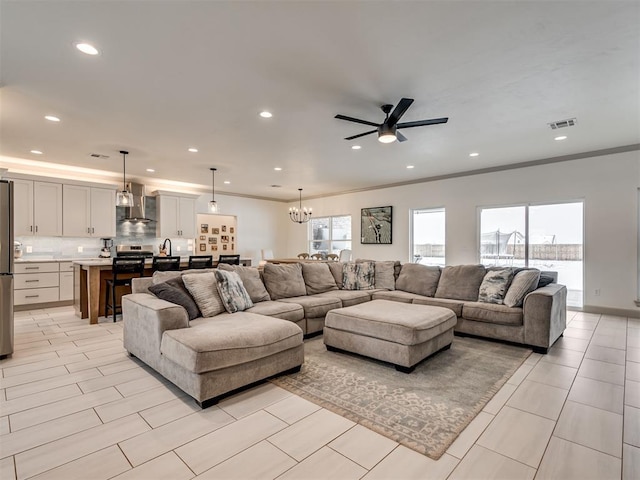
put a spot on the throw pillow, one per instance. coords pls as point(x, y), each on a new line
point(251, 280)
point(284, 280)
point(524, 281)
point(545, 280)
point(418, 279)
point(203, 288)
point(232, 292)
point(460, 282)
point(494, 285)
point(384, 277)
point(174, 291)
point(318, 278)
point(358, 276)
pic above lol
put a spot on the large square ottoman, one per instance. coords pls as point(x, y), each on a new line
point(399, 333)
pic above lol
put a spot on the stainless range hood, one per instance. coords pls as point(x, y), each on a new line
point(136, 213)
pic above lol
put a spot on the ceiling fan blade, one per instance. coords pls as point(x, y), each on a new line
point(362, 134)
point(400, 137)
point(421, 123)
point(356, 120)
point(402, 107)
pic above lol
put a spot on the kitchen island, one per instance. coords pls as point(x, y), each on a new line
point(90, 283)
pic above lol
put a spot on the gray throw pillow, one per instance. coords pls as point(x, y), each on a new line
point(494, 285)
point(545, 280)
point(524, 282)
point(204, 290)
point(284, 280)
point(251, 280)
point(418, 279)
point(174, 291)
point(384, 275)
point(460, 282)
point(358, 275)
point(318, 278)
point(232, 292)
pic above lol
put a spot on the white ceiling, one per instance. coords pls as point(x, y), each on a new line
point(177, 74)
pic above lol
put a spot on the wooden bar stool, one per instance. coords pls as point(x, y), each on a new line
point(200, 261)
point(230, 259)
point(129, 267)
point(164, 264)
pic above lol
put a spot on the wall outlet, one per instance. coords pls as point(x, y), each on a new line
point(596, 292)
point(29, 249)
point(178, 248)
point(80, 249)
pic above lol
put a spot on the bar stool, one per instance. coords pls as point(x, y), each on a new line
point(200, 261)
point(164, 264)
point(132, 267)
point(230, 259)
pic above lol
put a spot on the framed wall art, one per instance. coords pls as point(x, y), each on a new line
point(376, 225)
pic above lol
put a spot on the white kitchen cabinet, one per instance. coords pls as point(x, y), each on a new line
point(88, 212)
point(38, 208)
point(176, 216)
point(66, 281)
point(36, 283)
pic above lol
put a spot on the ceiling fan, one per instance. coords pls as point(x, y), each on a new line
point(388, 130)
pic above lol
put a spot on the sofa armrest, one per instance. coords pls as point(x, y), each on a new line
point(545, 315)
point(141, 285)
point(145, 318)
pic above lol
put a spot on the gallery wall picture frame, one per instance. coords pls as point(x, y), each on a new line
point(204, 228)
point(215, 230)
point(376, 225)
point(203, 238)
point(203, 247)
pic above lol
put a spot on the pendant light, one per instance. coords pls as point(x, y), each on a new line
point(124, 198)
point(300, 215)
point(213, 205)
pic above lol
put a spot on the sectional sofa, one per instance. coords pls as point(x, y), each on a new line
point(209, 352)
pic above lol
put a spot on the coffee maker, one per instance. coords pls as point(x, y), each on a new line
point(105, 251)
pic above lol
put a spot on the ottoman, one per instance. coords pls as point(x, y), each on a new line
point(399, 333)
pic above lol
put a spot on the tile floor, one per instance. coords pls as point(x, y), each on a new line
point(73, 405)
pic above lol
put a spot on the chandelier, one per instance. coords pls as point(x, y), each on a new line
point(125, 197)
point(300, 215)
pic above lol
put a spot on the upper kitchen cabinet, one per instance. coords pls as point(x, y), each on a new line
point(38, 208)
point(88, 211)
point(176, 215)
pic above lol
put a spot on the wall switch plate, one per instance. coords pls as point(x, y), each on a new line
point(596, 292)
point(80, 249)
point(29, 249)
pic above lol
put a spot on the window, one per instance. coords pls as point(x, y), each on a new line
point(547, 237)
point(428, 236)
point(330, 234)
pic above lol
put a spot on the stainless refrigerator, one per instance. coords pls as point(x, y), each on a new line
point(6, 268)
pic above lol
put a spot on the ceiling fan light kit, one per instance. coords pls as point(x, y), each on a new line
point(388, 130)
point(300, 214)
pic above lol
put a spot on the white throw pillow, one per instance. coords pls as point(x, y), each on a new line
point(203, 287)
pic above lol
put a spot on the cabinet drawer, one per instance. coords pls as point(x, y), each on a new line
point(66, 266)
point(35, 267)
point(35, 295)
point(35, 280)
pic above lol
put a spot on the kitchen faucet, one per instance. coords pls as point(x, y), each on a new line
point(164, 245)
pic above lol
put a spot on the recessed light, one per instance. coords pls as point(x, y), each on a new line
point(227, 182)
point(356, 147)
point(87, 48)
point(277, 169)
point(150, 170)
point(193, 150)
point(265, 114)
point(36, 152)
point(410, 167)
point(52, 118)
point(561, 137)
point(474, 154)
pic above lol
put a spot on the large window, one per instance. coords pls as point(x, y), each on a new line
point(330, 234)
point(548, 237)
point(428, 236)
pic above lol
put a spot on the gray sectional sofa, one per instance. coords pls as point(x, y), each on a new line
point(209, 356)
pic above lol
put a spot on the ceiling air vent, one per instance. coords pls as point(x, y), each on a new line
point(563, 123)
point(98, 155)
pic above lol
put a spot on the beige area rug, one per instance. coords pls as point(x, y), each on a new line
point(425, 410)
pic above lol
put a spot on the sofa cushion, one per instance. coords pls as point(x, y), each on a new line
point(203, 289)
point(523, 282)
point(315, 306)
point(453, 305)
point(351, 297)
point(318, 278)
point(232, 292)
point(174, 291)
point(336, 271)
point(395, 295)
point(494, 285)
point(284, 280)
point(250, 279)
point(286, 311)
point(384, 275)
point(160, 276)
point(492, 313)
point(228, 340)
point(419, 279)
point(460, 282)
point(358, 275)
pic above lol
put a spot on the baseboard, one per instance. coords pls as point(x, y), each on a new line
point(38, 306)
point(619, 312)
